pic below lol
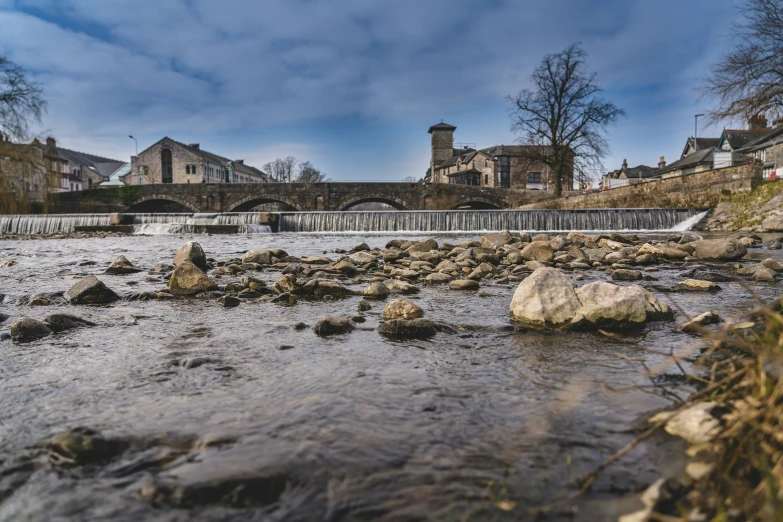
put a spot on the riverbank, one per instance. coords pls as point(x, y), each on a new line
point(238, 401)
point(759, 210)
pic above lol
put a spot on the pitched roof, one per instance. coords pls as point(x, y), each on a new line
point(98, 164)
point(738, 139)
point(212, 157)
point(765, 141)
point(116, 177)
point(641, 171)
point(701, 157)
point(701, 143)
point(442, 126)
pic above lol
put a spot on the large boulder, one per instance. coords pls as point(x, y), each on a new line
point(260, 257)
point(90, 290)
point(188, 279)
point(287, 285)
point(611, 306)
point(545, 298)
point(540, 251)
point(26, 330)
point(121, 266)
point(423, 246)
point(362, 258)
point(402, 309)
point(496, 240)
point(727, 249)
point(191, 251)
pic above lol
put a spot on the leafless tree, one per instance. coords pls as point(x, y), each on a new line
point(21, 100)
point(309, 174)
point(564, 117)
point(281, 170)
point(748, 80)
point(409, 179)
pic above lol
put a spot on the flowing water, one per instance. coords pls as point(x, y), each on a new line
point(384, 222)
point(481, 422)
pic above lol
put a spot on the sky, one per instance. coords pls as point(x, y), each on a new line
point(353, 85)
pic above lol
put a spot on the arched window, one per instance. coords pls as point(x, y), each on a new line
point(166, 167)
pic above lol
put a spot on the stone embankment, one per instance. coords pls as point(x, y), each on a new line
point(760, 210)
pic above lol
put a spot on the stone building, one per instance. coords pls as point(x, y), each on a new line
point(169, 161)
point(29, 171)
point(631, 175)
point(502, 166)
point(88, 170)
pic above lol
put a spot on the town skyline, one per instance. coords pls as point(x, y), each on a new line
point(111, 73)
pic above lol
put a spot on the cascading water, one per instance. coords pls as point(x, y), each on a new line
point(49, 223)
point(652, 219)
point(200, 223)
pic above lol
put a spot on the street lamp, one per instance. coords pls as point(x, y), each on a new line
point(696, 129)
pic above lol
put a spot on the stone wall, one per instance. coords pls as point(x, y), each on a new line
point(150, 163)
point(701, 190)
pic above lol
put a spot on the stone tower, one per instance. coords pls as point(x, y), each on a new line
point(442, 146)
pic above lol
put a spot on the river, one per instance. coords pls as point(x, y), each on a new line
point(483, 422)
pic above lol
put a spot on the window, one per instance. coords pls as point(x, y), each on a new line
point(504, 172)
point(187, 169)
point(486, 179)
point(486, 163)
point(534, 177)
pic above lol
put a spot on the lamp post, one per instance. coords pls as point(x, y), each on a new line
point(696, 129)
point(137, 155)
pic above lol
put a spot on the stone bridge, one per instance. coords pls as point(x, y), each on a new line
point(242, 197)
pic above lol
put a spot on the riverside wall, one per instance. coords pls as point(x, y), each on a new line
point(700, 190)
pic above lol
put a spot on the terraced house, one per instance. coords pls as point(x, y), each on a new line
point(501, 166)
point(169, 161)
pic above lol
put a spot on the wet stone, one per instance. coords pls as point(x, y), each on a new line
point(80, 446)
point(26, 330)
point(191, 251)
point(228, 301)
point(63, 322)
point(121, 266)
point(333, 325)
point(407, 329)
point(464, 284)
point(90, 290)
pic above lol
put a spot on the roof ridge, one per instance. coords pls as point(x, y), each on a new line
point(91, 155)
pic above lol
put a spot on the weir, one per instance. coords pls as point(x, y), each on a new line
point(655, 219)
point(652, 219)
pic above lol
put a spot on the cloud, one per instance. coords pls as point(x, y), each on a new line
point(241, 68)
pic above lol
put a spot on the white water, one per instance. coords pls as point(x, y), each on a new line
point(690, 222)
point(49, 224)
point(655, 219)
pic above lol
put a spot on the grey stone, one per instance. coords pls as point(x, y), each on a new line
point(90, 290)
point(191, 251)
point(26, 330)
point(333, 325)
point(402, 309)
point(62, 322)
point(189, 280)
point(407, 329)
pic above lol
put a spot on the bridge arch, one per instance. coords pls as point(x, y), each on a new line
point(479, 203)
point(152, 204)
point(348, 203)
point(248, 202)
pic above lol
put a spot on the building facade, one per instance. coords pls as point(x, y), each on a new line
point(500, 166)
point(169, 161)
point(88, 170)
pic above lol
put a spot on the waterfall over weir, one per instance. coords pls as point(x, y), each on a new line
point(43, 224)
point(652, 219)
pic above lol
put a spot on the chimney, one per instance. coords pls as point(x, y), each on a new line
point(194, 145)
point(757, 122)
point(241, 162)
point(51, 143)
point(661, 163)
point(778, 122)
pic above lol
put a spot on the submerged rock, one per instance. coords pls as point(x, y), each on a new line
point(26, 330)
point(188, 280)
point(191, 251)
point(700, 321)
point(228, 301)
point(402, 309)
point(333, 325)
point(407, 328)
point(85, 446)
point(63, 322)
point(696, 285)
point(90, 290)
point(121, 266)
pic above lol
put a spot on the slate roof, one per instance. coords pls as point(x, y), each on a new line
point(703, 156)
point(442, 126)
point(701, 143)
point(103, 166)
point(775, 134)
point(740, 138)
point(641, 171)
point(116, 177)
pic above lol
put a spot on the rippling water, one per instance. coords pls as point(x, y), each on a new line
point(366, 428)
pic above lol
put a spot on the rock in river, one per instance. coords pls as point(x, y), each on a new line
point(407, 328)
point(62, 322)
point(538, 251)
point(376, 290)
point(121, 266)
point(402, 309)
point(719, 249)
point(188, 279)
point(90, 290)
point(25, 330)
point(464, 284)
point(191, 251)
point(332, 325)
point(696, 285)
point(546, 297)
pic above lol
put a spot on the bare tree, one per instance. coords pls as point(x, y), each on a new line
point(564, 117)
point(409, 179)
point(281, 170)
point(309, 174)
point(748, 80)
point(21, 100)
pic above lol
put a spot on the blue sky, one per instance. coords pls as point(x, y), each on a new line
point(352, 85)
